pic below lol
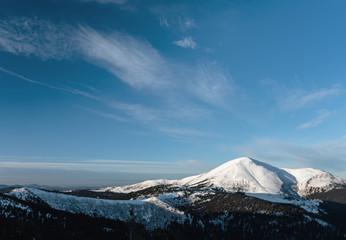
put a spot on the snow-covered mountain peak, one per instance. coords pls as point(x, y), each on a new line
point(246, 175)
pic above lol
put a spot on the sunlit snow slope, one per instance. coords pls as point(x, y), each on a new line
point(137, 186)
point(244, 175)
point(145, 211)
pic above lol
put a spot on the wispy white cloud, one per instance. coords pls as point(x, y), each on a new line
point(182, 133)
point(33, 37)
point(138, 112)
point(156, 118)
point(185, 110)
point(26, 79)
point(68, 161)
point(212, 85)
point(67, 90)
point(105, 114)
point(89, 166)
point(190, 23)
point(292, 99)
point(128, 161)
point(174, 17)
point(300, 99)
point(134, 62)
point(168, 119)
point(106, 1)
point(187, 42)
point(186, 23)
point(183, 89)
point(163, 119)
point(164, 22)
point(76, 91)
point(85, 86)
point(322, 115)
point(95, 165)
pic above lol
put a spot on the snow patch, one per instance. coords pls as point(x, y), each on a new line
point(307, 204)
point(137, 187)
point(143, 212)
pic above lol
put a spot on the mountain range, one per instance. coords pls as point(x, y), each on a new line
point(243, 197)
point(250, 176)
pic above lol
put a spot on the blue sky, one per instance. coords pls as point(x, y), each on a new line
point(98, 87)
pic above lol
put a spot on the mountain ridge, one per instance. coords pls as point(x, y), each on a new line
point(248, 175)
